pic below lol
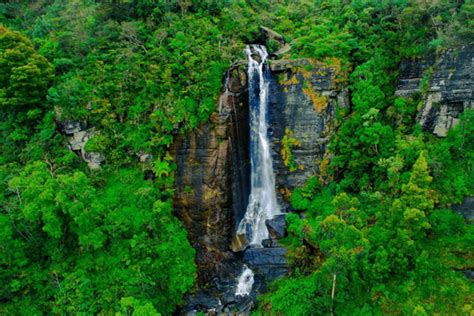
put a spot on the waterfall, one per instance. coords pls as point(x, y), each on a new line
point(245, 282)
point(262, 201)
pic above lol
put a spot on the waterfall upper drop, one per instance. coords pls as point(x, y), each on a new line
point(263, 204)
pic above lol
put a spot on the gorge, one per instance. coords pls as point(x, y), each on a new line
point(236, 157)
point(238, 176)
point(302, 98)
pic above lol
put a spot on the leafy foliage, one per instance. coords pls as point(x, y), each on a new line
point(25, 74)
point(287, 143)
point(378, 239)
point(74, 248)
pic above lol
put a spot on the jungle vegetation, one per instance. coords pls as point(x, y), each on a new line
point(378, 235)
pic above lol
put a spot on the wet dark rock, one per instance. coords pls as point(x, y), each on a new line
point(245, 304)
point(277, 226)
point(202, 301)
point(270, 243)
point(270, 263)
point(265, 256)
point(221, 297)
point(273, 272)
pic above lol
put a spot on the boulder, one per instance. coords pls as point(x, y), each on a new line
point(270, 263)
point(276, 226)
point(265, 256)
point(270, 243)
point(202, 301)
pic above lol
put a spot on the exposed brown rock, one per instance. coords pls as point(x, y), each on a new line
point(238, 243)
point(212, 176)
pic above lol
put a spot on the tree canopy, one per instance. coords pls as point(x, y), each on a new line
point(376, 236)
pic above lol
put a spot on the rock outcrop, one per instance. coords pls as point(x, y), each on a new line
point(446, 86)
point(276, 226)
point(77, 137)
point(268, 262)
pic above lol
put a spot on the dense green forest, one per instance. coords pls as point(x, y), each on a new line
point(378, 235)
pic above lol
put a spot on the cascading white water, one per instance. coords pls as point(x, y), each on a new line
point(245, 282)
point(262, 201)
point(263, 204)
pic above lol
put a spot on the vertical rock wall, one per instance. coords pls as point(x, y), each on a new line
point(212, 177)
point(303, 100)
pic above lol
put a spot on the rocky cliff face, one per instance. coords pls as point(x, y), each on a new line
point(213, 173)
point(445, 83)
point(212, 177)
point(303, 99)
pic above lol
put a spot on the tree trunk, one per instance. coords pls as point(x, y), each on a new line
point(333, 291)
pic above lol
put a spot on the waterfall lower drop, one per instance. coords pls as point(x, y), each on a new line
point(263, 204)
point(245, 282)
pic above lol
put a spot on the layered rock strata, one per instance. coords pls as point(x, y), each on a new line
point(444, 83)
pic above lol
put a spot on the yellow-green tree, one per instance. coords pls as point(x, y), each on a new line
point(25, 75)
